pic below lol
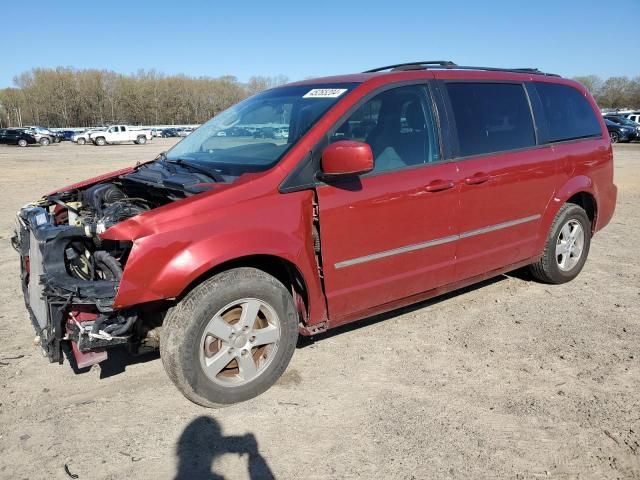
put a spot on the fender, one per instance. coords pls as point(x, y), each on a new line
point(163, 264)
point(580, 183)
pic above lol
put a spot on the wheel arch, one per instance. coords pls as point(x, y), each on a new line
point(578, 190)
point(285, 271)
point(588, 202)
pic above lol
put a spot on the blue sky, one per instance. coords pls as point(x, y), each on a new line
point(302, 39)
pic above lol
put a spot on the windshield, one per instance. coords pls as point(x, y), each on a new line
point(254, 134)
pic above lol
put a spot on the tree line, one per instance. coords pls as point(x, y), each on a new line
point(67, 97)
point(614, 92)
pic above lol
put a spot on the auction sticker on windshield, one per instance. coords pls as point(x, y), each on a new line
point(324, 93)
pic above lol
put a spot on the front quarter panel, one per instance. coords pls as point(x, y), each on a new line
point(164, 262)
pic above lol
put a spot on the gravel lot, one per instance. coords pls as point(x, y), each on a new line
point(508, 379)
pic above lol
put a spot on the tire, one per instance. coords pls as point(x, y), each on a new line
point(615, 138)
point(81, 141)
point(141, 140)
point(185, 348)
point(44, 141)
point(560, 248)
point(22, 142)
point(100, 141)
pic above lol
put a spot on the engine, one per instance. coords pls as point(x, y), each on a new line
point(70, 275)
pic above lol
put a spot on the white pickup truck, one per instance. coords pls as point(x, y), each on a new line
point(121, 134)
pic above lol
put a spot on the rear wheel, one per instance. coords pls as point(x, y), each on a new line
point(81, 141)
point(22, 142)
point(567, 246)
point(141, 140)
point(44, 141)
point(615, 138)
point(230, 338)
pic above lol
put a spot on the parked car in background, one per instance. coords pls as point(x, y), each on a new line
point(169, 132)
point(237, 132)
point(620, 133)
point(281, 132)
point(121, 134)
point(59, 135)
point(265, 132)
point(183, 132)
point(43, 136)
point(156, 132)
point(68, 134)
point(634, 117)
point(17, 136)
point(625, 122)
point(83, 137)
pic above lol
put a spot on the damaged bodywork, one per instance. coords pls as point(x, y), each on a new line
point(70, 274)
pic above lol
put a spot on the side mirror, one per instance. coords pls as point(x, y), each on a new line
point(346, 158)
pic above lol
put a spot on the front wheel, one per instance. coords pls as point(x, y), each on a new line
point(100, 141)
point(615, 138)
point(230, 338)
point(566, 248)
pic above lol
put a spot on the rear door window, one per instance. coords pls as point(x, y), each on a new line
point(569, 114)
point(491, 117)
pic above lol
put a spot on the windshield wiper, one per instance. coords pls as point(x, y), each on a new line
point(213, 175)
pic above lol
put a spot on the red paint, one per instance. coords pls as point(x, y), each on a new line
point(178, 243)
point(387, 211)
point(347, 157)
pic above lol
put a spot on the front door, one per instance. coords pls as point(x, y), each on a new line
point(391, 233)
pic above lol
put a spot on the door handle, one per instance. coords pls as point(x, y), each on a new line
point(477, 179)
point(439, 185)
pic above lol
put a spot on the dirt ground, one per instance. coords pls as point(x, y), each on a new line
point(508, 379)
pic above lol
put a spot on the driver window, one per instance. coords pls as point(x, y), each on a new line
point(398, 125)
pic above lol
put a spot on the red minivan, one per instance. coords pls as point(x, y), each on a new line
point(315, 204)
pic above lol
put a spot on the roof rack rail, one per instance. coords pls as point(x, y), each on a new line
point(448, 65)
point(415, 66)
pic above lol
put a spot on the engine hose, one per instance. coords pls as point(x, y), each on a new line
point(108, 264)
point(113, 329)
point(126, 327)
point(95, 328)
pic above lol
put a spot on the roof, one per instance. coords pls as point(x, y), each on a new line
point(429, 69)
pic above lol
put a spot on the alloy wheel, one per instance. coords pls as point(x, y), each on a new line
point(569, 245)
point(239, 342)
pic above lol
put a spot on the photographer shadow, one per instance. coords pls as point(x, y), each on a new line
point(202, 442)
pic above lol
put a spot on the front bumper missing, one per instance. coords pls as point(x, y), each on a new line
point(61, 307)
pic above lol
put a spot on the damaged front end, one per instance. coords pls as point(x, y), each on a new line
point(70, 275)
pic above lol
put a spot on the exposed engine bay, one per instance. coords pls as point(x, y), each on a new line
point(70, 275)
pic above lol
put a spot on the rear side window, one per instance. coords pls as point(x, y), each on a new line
point(569, 114)
point(491, 117)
